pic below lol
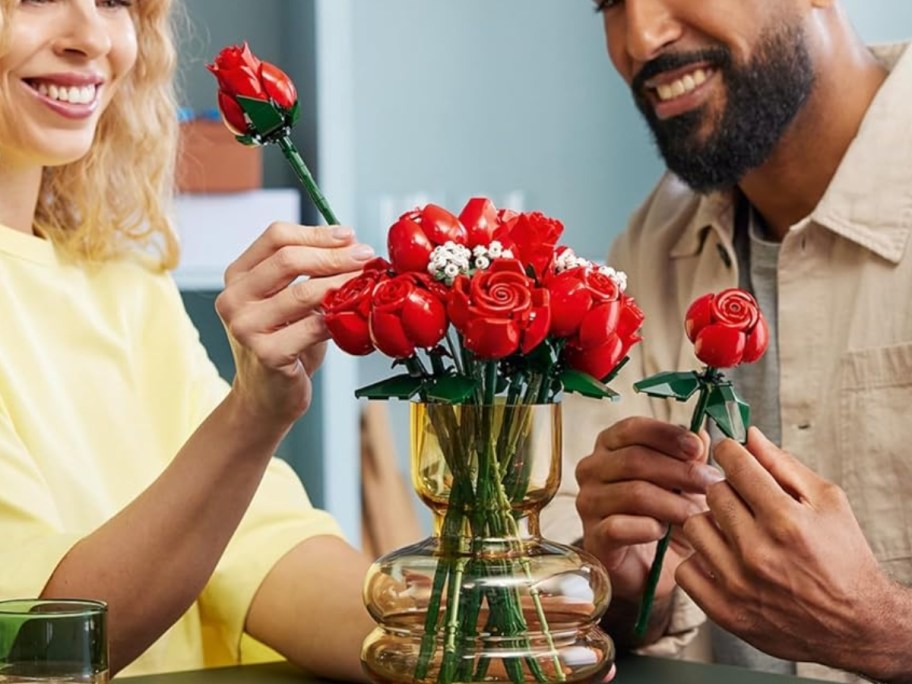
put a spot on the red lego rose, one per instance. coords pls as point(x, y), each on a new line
point(346, 309)
point(606, 334)
point(727, 328)
point(406, 314)
point(500, 311)
point(241, 74)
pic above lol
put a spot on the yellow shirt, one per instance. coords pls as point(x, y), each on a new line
point(102, 379)
point(844, 327)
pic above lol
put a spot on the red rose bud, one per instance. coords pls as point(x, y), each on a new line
point(500, 311)
point(535, 238)
point(727, 328)
point(480, 218)
point(406, 315)
point(414, 236)
point(606, 334)
point(241, 74)
point(347, 309)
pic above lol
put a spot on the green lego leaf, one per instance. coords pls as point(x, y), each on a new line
point(397, 387)
point(453, 389)
point(729, 412)
point(588, 386)
point(669, 385)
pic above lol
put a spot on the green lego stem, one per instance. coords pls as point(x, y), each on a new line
point(307, 180)
point(655, 570)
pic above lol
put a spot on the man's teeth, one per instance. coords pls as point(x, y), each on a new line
point(678, 87)
point(74, 94)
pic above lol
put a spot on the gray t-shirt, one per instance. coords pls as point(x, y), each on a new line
point(758, 385)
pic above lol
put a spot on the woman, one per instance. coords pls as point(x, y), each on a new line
point(129, 472)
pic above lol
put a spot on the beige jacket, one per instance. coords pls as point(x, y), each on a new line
point(845, 331)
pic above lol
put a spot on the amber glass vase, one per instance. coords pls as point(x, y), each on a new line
point(485, 598)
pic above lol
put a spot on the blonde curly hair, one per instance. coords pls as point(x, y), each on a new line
point(117, 199)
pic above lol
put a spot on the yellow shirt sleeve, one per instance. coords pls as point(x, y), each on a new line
point(34, 538)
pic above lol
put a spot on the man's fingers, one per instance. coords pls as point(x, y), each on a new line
point(637, 499)
point(636, 463)
point(753, 483)
point(792, 475)
point(708, 542)
point(729, 511)
point(669, 439)
point(618, 531)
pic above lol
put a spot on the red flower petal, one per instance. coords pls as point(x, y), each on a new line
point(757, 341)
point(388, 336)
point(597, 361)
point(350, 332)
point(479, 217)
point(232, 114)
point(491, 338)
point(278, 86)
point(698, 316)
point(409, 247)
point(720, 346)
point(441, 226)
point(599, 324)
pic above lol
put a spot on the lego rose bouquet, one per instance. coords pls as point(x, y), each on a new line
point(490, 319)
point(530, 318)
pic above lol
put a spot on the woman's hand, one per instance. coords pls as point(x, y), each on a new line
point(270, 308)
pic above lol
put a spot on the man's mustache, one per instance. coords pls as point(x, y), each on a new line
point(718, 57)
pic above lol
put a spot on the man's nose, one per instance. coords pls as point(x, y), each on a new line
point(651, 27)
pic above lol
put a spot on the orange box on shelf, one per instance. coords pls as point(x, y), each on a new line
point(210, 160)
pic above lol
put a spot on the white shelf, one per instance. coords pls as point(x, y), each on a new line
point(215, 230)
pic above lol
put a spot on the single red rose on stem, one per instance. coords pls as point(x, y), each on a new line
point(241, 74)
point(500, 311)
point(406, 314)
point(727, 328)
point(259, 104)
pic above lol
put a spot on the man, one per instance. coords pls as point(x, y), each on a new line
point(790, 173)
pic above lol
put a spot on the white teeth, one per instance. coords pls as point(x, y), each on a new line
point(72, 94)
point(681, 86)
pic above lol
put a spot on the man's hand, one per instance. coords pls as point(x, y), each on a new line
point(781, 561)
point(643, 475)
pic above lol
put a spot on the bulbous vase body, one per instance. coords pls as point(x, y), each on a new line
point(485, 598)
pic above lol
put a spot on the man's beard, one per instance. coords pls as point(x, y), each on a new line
point(762, 99)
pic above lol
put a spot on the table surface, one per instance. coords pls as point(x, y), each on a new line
point(631, 670)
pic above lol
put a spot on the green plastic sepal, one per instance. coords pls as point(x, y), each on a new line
point(265, 117)
point(453, 389)
point(248, 140)
point(670, 385)
point(617, 369)
point(396, 387)
point(588, 386)
point(729, 412)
